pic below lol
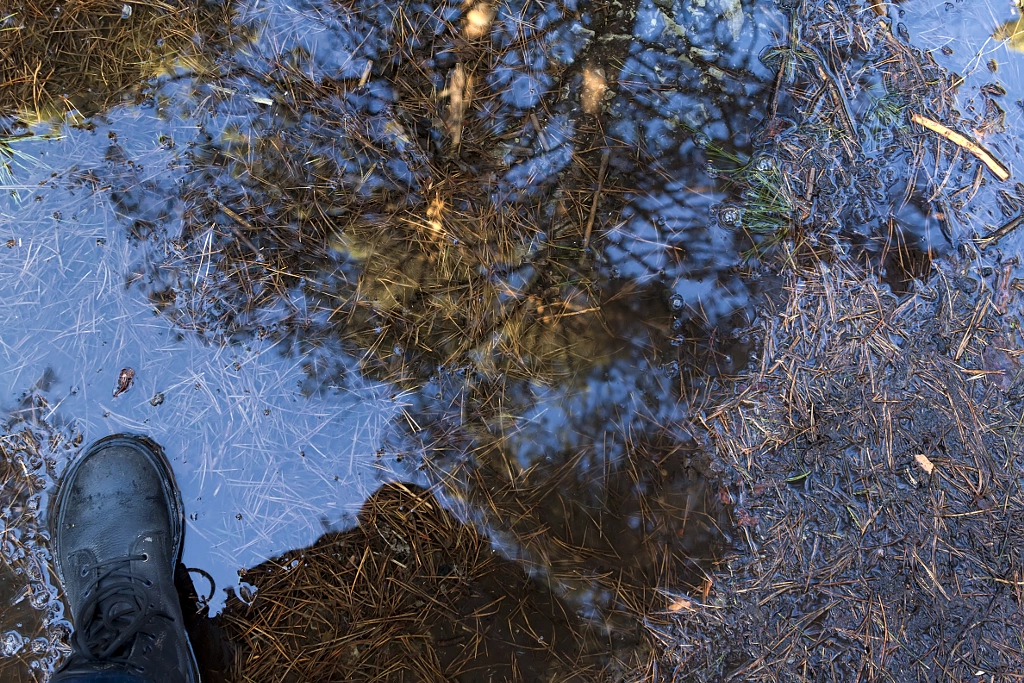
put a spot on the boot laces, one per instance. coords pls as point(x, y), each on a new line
point(115, 611)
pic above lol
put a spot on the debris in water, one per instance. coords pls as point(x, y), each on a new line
point(595, 84)
point(124, 381)
point(956, 138)
point(999, 233)
point(679, 604)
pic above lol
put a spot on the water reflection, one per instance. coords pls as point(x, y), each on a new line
point(974, 49)
point(33, 631)
point(259, 464)
point(534, 277)
point(502, 251)
point(464, 246)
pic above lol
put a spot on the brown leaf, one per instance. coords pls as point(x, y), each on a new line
point(679, 604)
point(124, 381)
point(922, 460)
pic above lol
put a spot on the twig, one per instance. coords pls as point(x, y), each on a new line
point(597, 195)
point(979, 313)
point(999, 233)
point(540, 132)
point(986, 157)
point(366, 73)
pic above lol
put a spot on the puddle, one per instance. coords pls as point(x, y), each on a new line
point(235, 419)
point(329, 262)
point(502, 252)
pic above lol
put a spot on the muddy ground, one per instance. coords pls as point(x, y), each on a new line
point(875, 461)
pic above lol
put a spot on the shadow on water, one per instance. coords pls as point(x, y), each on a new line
point(505, 254)
point(409, 594)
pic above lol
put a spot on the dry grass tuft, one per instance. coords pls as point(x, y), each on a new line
point(57, 56)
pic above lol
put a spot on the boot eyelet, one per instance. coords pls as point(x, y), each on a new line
point(145, 557)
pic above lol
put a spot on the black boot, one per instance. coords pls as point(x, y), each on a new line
point(117, 525)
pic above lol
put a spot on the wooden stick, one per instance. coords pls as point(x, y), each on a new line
point(999, 233)
point(956, 138)
point(597, 195)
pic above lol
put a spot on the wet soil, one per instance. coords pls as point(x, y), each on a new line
point(876, 480)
